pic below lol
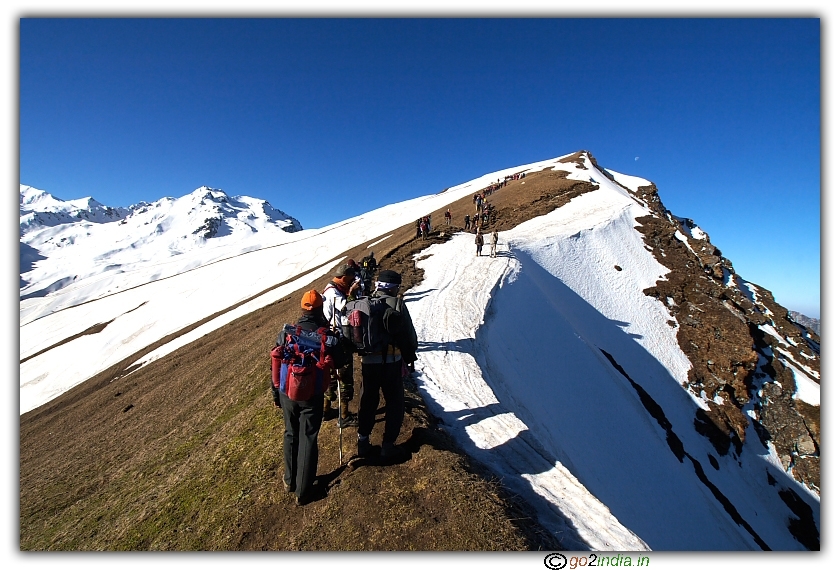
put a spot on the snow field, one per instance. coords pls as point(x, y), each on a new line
point(153, 293)
point(511, 360)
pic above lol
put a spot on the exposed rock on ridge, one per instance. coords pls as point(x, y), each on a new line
point(745, 348)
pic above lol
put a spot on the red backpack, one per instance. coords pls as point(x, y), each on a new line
point(301, 362)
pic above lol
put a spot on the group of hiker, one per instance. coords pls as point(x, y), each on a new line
point(479, 242)
point(424, 226)
point(313, 361)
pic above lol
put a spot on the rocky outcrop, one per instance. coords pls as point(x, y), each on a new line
point(209, 228)
point(746, 351)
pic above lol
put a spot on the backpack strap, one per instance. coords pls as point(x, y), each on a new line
point(322, 360)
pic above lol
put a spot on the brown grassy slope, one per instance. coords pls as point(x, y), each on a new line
point(185, 453)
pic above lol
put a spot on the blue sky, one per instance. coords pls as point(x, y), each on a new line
point(330, 118)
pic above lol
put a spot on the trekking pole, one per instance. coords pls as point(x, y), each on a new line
point(340, 438)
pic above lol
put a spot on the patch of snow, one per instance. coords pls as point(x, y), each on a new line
point(631, 182)
point(681, 236)
point(769, 329)
point(792, 361)
point(806, 389)
point(747, 289)
point(378, 241)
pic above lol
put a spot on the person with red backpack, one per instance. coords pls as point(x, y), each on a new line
point(336, 294)
point(302, 418)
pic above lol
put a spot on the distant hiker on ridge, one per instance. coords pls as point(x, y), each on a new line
point(357, 289)
point(367, 271)
point(479, 241)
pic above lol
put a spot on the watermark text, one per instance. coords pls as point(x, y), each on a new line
point(558, 561)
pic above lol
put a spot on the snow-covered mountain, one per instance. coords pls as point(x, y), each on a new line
point(75, 242)
point(609, 364)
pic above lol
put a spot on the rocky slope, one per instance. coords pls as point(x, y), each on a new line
point(752, 363)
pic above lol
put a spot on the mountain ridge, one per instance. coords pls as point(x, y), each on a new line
point(708, 282)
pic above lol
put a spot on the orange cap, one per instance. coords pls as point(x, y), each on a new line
point(311, 300)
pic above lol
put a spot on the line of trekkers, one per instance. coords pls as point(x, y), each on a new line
point(312, 367)
point(312, 360)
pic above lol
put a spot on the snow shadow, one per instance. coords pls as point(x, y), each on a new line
point(52, 287)
point(28, 257)
point(595, 400)
point(531, 459)
point(416, 295)
point(464, 345)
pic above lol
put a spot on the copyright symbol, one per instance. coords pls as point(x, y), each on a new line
point(555, 561)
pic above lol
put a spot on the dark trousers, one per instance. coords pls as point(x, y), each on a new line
point(300, 442)
point(387, 378)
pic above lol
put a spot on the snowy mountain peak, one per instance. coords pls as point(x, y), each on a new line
point(119, 240)
point(40, 209)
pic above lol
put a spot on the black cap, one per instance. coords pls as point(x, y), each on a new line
point(343, 269)
point(388, 276)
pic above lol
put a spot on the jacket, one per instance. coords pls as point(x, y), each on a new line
point(407, 351)
point(335, 301)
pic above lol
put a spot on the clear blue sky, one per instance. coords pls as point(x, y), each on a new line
point(331, 118)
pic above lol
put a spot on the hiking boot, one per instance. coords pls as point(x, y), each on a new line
point(350, 420)
point(329, 411)
point(363, 447)
point(346, 418)
point(391, 451)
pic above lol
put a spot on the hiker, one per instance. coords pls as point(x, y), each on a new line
point(384, 371)
point(467, 222)
point(448, 217)
point(302, 418)
point(479, 241)
point(358, 287)
point(494, 240)
point(424, 228)
point(419, 228)
point(336, 294)
point(366, 273)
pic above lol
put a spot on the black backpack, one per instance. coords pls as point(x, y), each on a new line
point(376, 323)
